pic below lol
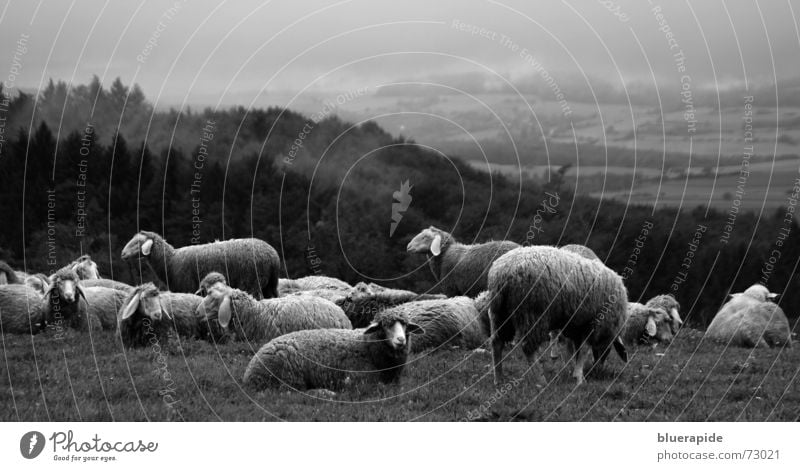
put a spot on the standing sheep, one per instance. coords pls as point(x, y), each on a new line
point(148, 314)
point(333, 358)
point(538, 289)
point(96, 311)
point(228, 311)
point(452, 321)
point(249, 264)
point(21, 310)
point(460, 269)
point(749, 320)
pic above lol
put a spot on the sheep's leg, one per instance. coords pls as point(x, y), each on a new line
point(536, 367)
point(580, 361)
point(497, 359)
point(554, 335)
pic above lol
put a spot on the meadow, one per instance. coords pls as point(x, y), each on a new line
point(90, 377)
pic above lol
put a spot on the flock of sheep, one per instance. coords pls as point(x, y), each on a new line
point(321, 332)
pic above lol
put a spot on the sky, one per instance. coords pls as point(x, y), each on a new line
point(205, 52)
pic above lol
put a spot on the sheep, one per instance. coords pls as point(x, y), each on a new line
point(646, 324)
point(97, 311)
point(21, 310)
point(538, 289)
point(749, 320)
point(670, 305)
point(85, 268)
point(148, 314)
point(581, 250)
point(334, 358)
point(460, 269)
point(231, 312)
point(452, 321)
point(249, 264)
point(39, 282)
point(309, 283)
point(365, 300)
point(211, 281)
point(106, 283)
point(8, 276)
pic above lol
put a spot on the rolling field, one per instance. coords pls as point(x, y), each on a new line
point(79, 377)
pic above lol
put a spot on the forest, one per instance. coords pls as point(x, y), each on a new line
point(84, 168)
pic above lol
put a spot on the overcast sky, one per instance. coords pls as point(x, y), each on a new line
point(206, 52)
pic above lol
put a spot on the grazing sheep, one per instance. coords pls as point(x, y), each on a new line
point(228, 311)
point(148, 314)
point(97, 311)
point(749, 320)
point(538, 289)
point(452, 321)
point(310, 283)
point(364, 301)
point(333, 358)
point(460, 269)
point(581, 250)
point(21, 310)
point(39, 282)
point(211, 281)
point(7, 275)
point(85, 268)
point(646, 325)
point(670, 305)
point(106, 283)
point(248, 264)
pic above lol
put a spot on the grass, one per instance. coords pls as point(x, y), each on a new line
point(91, 378)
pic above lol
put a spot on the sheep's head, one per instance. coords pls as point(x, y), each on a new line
point(212, 281)
point(430, 240)
point(139, 246)
point(216, 313)
point(65, 285)
point(659, 325)
point(38, 282)
point(393, 329)
point(758, 292)
point(85, 268)
point(145, 301)
point(669, 304)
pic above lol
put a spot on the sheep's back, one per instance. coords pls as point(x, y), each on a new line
point(309, 359)
point(294, 313)
point(452, 321)
point(464, 268)
point(183, 309)
point(21, 307)
point(746, 322)
point(101, 313)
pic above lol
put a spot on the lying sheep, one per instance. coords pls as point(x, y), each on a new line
point(209, 282)
point(96, 311)
point(668, 303)
point(148, 314)
point(460, 269)
point(333, 358)
point(39, 282)
point(21, 310)
point(749, 320)
point(538, 289)
point(232, 312)
point(106, 283)
point(646, 325)
point(452, 321)
point(581, 250)
point(248, 264)
point(365, 300)
point(309, 283)
point(8, 276)
point(85, 268)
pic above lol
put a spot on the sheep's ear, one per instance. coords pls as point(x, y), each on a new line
point(164, 312)
point(132, 306)
point(224, 316)
point(80, 293)
point(148, 244)
point(436, 245)
point(413, 328)
point(650, 328)
point(772, 295)
point(373, 327)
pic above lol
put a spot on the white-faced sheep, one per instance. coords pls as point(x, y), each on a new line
point(334, 358)
point(538, 289)
point(452, 321)
point(249, 264)
point(646, 325)
point(749, 320)
point(21, 310)
point(231, 312)
point(148, 314)
point(96, 311)
point(310, 283)
point(460, 269)
point(668, 303)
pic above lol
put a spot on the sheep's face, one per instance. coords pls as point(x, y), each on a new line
point(147, 302)
point(659, 325)
point(216, 313)
point(394, 332)
point(65, 285)
point(138, 247)
point(86, 268)
point(758, 292)
point(428, 241)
